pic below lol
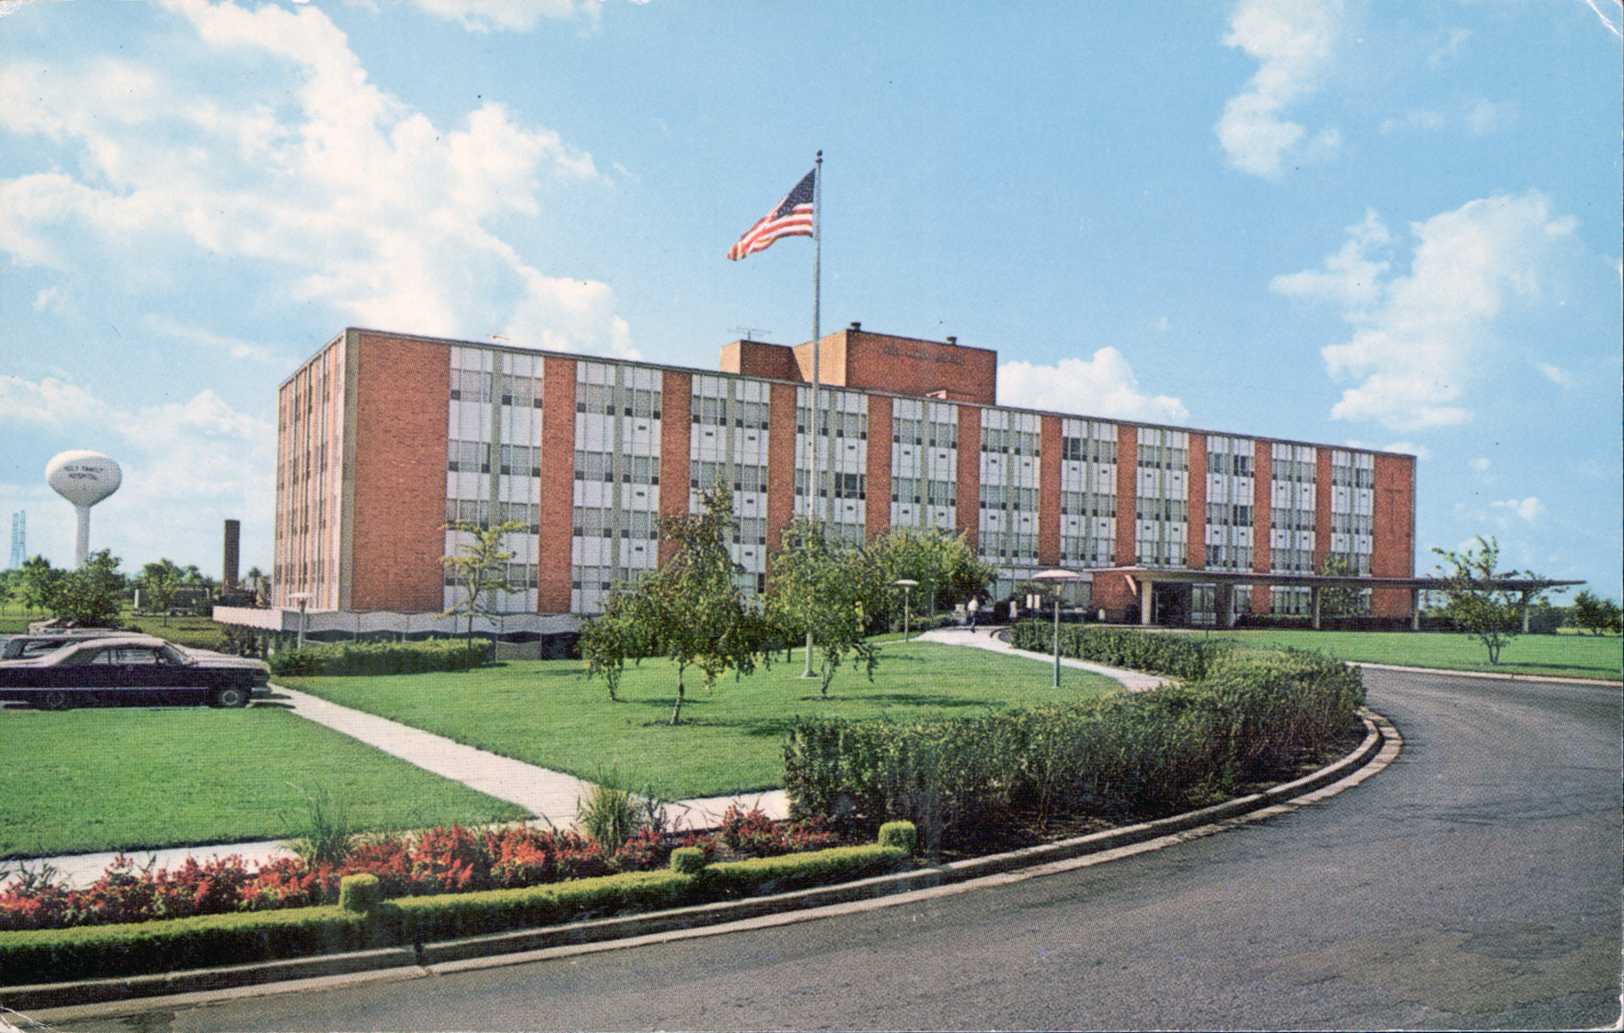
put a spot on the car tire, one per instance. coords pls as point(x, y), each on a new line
point(55, 699)
point(230, 696)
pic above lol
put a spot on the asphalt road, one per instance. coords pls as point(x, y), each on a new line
point(1473, 884)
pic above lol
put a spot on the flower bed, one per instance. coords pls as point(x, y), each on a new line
point(437, 861)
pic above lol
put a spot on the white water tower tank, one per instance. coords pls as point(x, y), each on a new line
point(84, 479)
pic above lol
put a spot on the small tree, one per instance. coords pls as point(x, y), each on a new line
point(944, 564)
point(479, 568)
point(39, 584)
point(827, 588)
point(93, 595)
point(691, 611)
point(159, 583)
point(1595, 614)
point(1494, 615)
point(617, 634)
point(1341, 601)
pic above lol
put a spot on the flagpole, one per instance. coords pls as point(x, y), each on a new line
point(814, 476)
point(817, 357)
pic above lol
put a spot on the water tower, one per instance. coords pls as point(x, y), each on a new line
point(84, 479)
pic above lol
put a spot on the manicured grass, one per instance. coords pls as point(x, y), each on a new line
point(1567, 656)
point(141, 778)
point(200, 632)
point(731, 740)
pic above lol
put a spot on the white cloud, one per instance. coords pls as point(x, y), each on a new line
point(1416, 118)
point(1478, 116)
point(1348, 277)
point(569, 315)
point(233, 346)
point(1409, 448)
point(355, 200)
point(1485, 116)
point(1555, 374)
point(1102, 386)
point(187, 466)
point(1420, 338)
point(1529, 509)
point(1450, 49)
point(50, 403)
point(1292, 41)
point(1481, 467)
point(512, 15)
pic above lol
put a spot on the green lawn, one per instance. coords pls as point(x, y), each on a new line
point(1568, 656)
point(548, 714)
point(142, 778)
point(188, 631)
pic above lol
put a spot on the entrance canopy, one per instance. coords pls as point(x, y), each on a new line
point(1142, 580)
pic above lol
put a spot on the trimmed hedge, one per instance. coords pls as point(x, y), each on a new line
point(759, 876)
point(205, 941)
point(1129, 755)
point(1178, 656)
point(381, 658)
point(59, 955)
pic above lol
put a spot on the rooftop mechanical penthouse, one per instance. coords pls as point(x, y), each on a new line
point(383, 438)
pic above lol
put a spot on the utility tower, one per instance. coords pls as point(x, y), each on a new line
point(19, 539)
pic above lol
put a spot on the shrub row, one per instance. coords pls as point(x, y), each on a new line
point(435, 861)
point(1138, 755)
point(380, 658)
point(1178, 656)
point(59, 955)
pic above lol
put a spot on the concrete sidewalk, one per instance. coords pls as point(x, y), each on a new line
point(553, 797)
point(988, 638)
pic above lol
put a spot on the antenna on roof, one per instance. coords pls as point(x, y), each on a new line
point(748, 330)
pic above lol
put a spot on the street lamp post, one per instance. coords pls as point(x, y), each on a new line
point(907, 585)
point(303, 599)
point(1057, 576)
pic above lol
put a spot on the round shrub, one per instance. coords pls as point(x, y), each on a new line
point(901, 834)
point(687, 860)
point(359, 892)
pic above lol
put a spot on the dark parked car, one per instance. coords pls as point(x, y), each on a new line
point(130, 669)
point(38, 643)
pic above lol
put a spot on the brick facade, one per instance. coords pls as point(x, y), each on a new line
point(401, 392)
point(363, 483)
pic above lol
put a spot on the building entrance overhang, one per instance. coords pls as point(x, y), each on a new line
point(1141, 580)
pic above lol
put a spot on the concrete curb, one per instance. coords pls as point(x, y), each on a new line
point(109, 997)
point(1496, 675)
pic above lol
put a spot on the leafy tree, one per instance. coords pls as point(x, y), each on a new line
point(39, 583)
point(257, 583)
point(479, 567)
point(159, 583)
point(93, 595)
point(692, 611)
point(617, 634)
point(944, 564)
point(1494, 615)
point(1343, 601)
point(1596, 614)
point(828, 589)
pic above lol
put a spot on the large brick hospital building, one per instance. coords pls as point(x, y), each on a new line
point(384, 438)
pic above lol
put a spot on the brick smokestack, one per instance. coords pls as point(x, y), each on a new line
point(228, 576)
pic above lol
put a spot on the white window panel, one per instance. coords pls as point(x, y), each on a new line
point(641, 497)
point(642, 555)
point(705, 444)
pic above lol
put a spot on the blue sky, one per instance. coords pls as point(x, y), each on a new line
point(1388, 224)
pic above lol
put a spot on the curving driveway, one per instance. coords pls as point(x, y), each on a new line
point(1473, 884)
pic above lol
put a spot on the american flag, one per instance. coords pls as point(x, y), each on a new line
point(791, 218)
